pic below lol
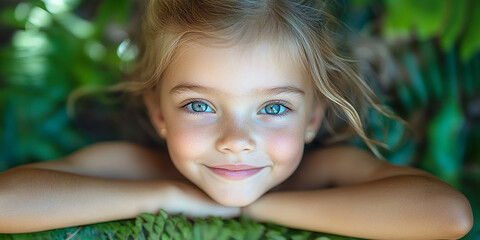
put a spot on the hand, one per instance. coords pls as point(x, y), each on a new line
point(193, 202)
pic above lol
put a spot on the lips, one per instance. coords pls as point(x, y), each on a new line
point(235, 172)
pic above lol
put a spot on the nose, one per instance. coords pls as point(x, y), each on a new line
point(235, 138)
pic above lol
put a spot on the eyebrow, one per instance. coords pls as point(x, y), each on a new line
point(185, 87)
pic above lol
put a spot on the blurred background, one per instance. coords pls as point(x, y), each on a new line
point(421, 57)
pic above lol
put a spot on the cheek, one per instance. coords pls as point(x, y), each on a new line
point(187, 142)
point(285, 147)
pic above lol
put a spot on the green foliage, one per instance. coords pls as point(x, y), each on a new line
point(426, 17)
point(434, 90)
point(435, 45)
point(430, 90)
point(450, 20)
point(52, 52)
point(164, 227)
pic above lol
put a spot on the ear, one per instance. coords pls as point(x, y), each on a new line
point(316, 118)
point(155, 113)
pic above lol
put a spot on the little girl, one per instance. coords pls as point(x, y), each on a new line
point(236, 89)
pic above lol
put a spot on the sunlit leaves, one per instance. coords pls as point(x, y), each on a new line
point(424, 17)
point(450, 20)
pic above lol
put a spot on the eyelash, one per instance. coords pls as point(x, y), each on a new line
point(287, 111)
point(188, 102)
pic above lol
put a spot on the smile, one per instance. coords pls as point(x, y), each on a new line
point(235, 172)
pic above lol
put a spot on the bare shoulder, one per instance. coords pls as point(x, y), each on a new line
point(345, 165)
point(116, 160)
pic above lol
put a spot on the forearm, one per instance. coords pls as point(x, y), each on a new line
point(403, 207)
point(37, 199)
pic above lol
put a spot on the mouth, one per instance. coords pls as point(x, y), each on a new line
point(235, 172)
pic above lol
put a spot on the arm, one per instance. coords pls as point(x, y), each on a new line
point(374, 200)
point(54, 195)
point(40, 199)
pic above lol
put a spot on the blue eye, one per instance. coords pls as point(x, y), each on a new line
point(273, 109)
point(198, 107)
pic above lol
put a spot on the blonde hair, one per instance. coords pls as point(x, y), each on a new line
point(304, 25)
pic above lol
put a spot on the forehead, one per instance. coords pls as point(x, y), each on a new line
point(235, 67)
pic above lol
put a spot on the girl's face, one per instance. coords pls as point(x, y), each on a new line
point(235, 118)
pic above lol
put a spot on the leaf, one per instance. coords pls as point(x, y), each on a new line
point(424, 17)
point(139, 229)
point(253, 230)
point(443, 152)
point(415, 77)
point(8, 18)
point(302, 235)
point(184, 227)
point(470, 43)
point(274, 235)
point(237, 232)
point(134, 229)
point(396, 25)
point(434, 81)
point(468, 85)
point(170, 227)
point(145, 224)
point(454, 23)
point(160, 221)
point(428, 16)
point(207, 229)
point(198, 228)
point(405, 96)
point(452, 74)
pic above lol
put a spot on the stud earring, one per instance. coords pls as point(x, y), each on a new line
point(309, 136)
point(163, 132)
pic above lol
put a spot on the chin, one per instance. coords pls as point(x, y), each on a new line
point(234, 200)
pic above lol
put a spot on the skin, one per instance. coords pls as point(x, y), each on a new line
point(339, 189)
point(235, 129)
